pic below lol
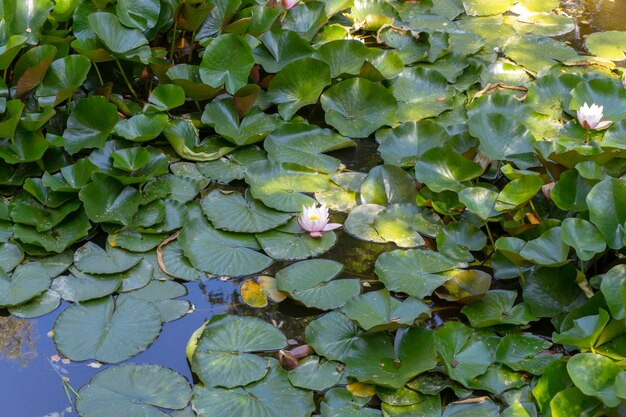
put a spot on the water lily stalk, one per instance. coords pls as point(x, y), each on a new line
point(95, 66)
point(173, 41)
point(489, 234)
point(130, 87)
point(193, 37)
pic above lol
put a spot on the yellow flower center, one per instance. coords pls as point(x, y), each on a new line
point(313, 218)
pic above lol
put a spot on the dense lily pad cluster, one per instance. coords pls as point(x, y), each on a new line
point(189, 135)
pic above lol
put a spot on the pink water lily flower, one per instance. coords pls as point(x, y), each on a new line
point(315, 220)
point(591, 117)
point(288, 4)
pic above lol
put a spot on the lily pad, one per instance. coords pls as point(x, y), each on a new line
point(332, 335)
point(315, 374)
point(91, 258)
point(227, 61)
point(404, 144)
point(595, 375)
point(305, 145)
point(224, 118)
point(295, 246)
point(280, 186)
point(220, 253)
point(234, 213)
point(298, 84)
point(162, 294)
point(609, 44)
point(497, 307)
point(357, 107)
point(224, 353)
point(311, 282)
point(388, 184)
point(273, 396)
point(107, 331)
point(84, 130)
point(377, 310)
point(339, 402)
point(78, 287)
point(463, 356)
point(607, 210)
point(378, 358)
point(133, 390)
point(415, 272)
point(38, 306)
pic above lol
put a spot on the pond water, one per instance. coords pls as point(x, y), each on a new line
point(30, 375)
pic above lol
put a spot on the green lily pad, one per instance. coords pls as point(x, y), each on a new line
point(122, 41)
point(188, 77)
point(91, 258)
point(38, 306)
point(63, 77)
point(315, 374)
point(583, 236)
point(162, 294)
point(584, 331)
point(280, 48)
point(443, 169)
point(305, 145)
point(344, 56)
point(141, 15)
point(464, 285)
point(524, 351)
point(280, 186)
point(361, 220)
point(378, 358)
point(404, 144)
point(107, 200)
point(11, 255)
point(463, 356)
point(572, 402)
point(133, 240)
point(232, 166)
point(141, 127)
point(421, 93)
point(227, 61)
point(595, 375)
point(25, 147)
point(78, 287)
point(612, 287)
point(497, 307)
point(273, 396)
point(298, 84)
point(607, 210)
point(551, 291)
point(107, 331)
point(224, 353)
point(234, 213)
point(332, 335)
point(133, 390)
point(295, 246)
point(535, 52)
point(223, 117)
point(13, 110)
point(9, 51)
point(183, 137)
point(388, 184)
point(415, 272)
point(311, 282)
point(220, 253)
point(377, 310)
point(59, 237)
point(404, 223)
point(339, 402)
point(547, 250)
point(27, 210)
point(488, 7)
point(357, 107)
point(26, 282)
point(176, 264)
point(609, 44)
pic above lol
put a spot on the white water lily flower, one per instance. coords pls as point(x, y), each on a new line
point(591, 117)
point(315, 220)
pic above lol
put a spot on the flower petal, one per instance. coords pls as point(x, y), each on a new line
point(331, 226)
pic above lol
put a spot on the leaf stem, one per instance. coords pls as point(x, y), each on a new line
point(173, 41)
point(95, 66)
point(489, 234)
point(130, 87)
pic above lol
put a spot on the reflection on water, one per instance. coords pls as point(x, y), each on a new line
point(607, 14)
point(17, 340)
